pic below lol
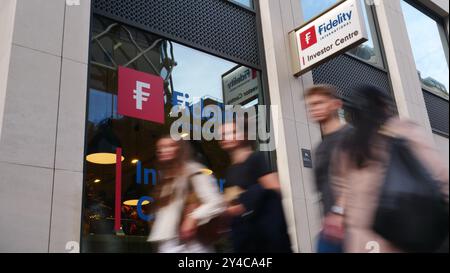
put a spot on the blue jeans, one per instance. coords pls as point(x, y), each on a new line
point(326, 246)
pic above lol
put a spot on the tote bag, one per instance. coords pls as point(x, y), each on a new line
point(412, 213)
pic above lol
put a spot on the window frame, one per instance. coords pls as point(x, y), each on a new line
point(376, 38)
point(89, 88)
point(427, 11)
point(440, 22)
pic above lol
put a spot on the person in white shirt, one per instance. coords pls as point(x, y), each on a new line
point(175, 229)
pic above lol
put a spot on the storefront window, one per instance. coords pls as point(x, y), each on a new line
point(430, 48)
point(190, 76)
point(368, 51)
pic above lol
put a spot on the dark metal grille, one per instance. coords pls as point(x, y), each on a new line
point(216, 26)
point(437, 112)
point(346, 72)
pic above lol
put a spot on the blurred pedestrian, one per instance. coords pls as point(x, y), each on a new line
point(362, 167)
point(258, 222)
point(323, 106)
point(179, 218)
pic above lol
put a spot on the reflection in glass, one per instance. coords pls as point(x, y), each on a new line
point(102, 105)
point(196, 73)
point(429, 49)
point(190, 77)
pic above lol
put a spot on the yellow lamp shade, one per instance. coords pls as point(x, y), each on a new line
point(134, 161)
point(103, 158)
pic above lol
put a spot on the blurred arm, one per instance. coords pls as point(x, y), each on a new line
point(270, 181)
point(337, 177)
point(252, 197)
point(267, 179)
point(212, 203)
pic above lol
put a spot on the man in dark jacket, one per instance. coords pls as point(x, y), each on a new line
point(323, 105)
point(258, 222)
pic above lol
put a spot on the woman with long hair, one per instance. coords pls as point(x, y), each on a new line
point(360, 164)
point(178, 217)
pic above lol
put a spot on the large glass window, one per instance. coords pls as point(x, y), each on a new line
point(430, 48)
point(190, 77)
point(369, 51)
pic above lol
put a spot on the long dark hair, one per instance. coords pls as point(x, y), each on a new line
point(169, 171)
point(371, 108)
point(184, 154)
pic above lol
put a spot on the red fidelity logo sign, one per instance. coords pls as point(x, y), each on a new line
point(141, 95)
point(308, 37)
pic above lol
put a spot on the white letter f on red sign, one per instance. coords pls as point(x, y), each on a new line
point(308, 38)
point(139, 94)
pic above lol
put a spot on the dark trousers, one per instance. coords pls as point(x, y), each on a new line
point(263, 231)
point(325, 245)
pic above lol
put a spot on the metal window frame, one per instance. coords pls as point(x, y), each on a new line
point(261, 67)
point(85, 144)
point(265, 95)
point(440, 21)
point(429, 90)
point(376, 38)
point(427, 11)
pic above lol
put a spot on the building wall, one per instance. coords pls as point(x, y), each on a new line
point(42, 133)
point(295, 130)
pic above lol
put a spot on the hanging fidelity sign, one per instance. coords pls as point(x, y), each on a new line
point(240, 85)
point(337, 30)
